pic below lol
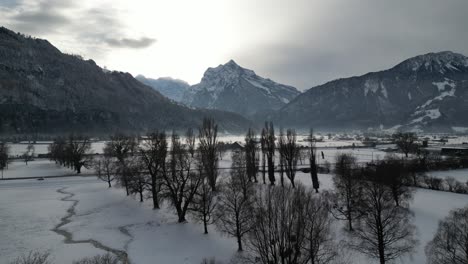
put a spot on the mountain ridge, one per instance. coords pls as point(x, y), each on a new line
point(45, 91)
point(423, 93)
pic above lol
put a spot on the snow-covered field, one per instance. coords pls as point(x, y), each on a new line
point(37, 168)
point(460, 175)
point(106, 219)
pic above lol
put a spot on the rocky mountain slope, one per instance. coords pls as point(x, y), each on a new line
point(173, 89)
point(427, 92)
point(232, 88)
point(45, 91)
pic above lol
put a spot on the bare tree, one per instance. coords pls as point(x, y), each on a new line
point(33, 257)
point(78, 149)
point(406, 142)
point(319, 240)
point(153, 154)
point(396, 177)
point(282, 144)
point(251, 155)
point(347, 201)
point(289, 150)
point(270, 147)
point(28, 155)
point(451, 183)
point(105, 169)
point(263, 144)
point(74, 152)
point(121, 147)
point(208, 147)
point(204, 204)
point(180, 182)
point(235, 206)
point(450, 243)
point(137, 180)
point(386, 232)
point(4, 152)
point(312, 153)
point(100, 259)
point(291, 226)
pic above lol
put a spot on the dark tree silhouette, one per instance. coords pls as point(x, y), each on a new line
point(121, 147)
point(251, 155)
point(312, 153)
point(289, 151)
point(105, 169)
point(386, 232)
point(153, 155)
point(235, 206)
point(180, 182)
point(270, 147)
point(347, 200)
point(450, 243)
point(406, 142)
point(208, 148)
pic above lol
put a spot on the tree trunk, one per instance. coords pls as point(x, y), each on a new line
point(239, 244)
point(271, 170)
point(154, 193)
point(205, 224)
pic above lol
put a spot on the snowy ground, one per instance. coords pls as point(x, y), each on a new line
point(37, 168)
point(460, 175)
point(31, 209)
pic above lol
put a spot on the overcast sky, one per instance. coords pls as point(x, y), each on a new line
point(298, 42)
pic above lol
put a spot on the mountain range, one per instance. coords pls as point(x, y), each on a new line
point(43, 90)
point(423, 93)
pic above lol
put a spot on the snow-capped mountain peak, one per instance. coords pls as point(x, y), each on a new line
point(233, 88)
point(436, 62)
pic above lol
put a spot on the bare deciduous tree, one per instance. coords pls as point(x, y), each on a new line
point(121, 147)
point(100, 259)
point(4, 152)
point(289, 151)
point(386, 232)
point(312, 153)
point(204, 204)
point(251, 155)
point(450, 243)
point(396, 177)
point(153, 154)
point(291, 226)
point(263, 144)
point(235, 206)
point(105, 169)
point(33, 257)
point(208, 148)
point(406, 142)
point(270, 147)
point(347, 200)
point(180, 182)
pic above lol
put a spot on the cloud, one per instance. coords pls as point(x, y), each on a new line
point(92, 27)
point(336, 39)
point(131, 43)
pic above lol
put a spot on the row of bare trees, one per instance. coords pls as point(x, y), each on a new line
point(72, 152)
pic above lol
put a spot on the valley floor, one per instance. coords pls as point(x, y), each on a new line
point(106, 219)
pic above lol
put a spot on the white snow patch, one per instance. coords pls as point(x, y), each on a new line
point(460, 129)
point(441, 86)
point(432, 114)
point(409, 96)
point(383, 90)
point(370, 85)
